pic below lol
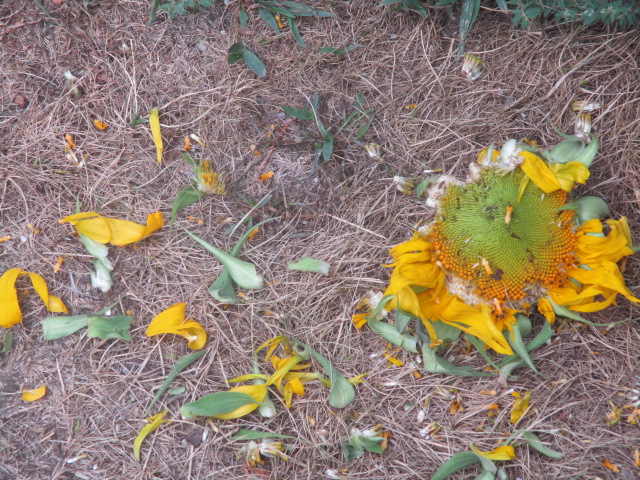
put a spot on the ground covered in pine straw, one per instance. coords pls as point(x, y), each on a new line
point(347, 212)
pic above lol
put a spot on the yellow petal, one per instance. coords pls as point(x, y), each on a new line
point(259, 392)
point(505, 452)
point(154, 123)
point(591, 250)
point(293, 386)
point(156, 421)
point(359, 320)
point(167, 320)
point(266, 176)
point(194, 333)
point(520, 406)
point(607, 276)
point(569, 173)
point(10, 313)
point(113, 230)
point(546, 309)
point(10, 308)
point(53, 304)
point(557, 176)
point(99, 124)
point(35, 394)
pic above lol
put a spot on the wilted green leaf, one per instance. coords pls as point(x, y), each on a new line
point(248, 434)
point(109, 327)
point(217, 403)
point(243, 273)
point(58, 327)
point(186, 197)
point(308, 264)
point(458, 462)
point(535, 443)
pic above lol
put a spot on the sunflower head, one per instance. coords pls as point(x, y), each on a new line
point(512, 236)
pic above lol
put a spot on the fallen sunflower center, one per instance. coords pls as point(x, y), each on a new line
point(499, 243)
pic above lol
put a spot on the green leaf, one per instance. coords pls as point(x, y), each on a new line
point(243, 273)
point(365, 128)
point(296, 32)
point(248, 434)
point(518, 346)
point(109, 327)
point(535, 443)
point(58, 327)
point(422, 186)
point(217, 403)
point(588, 208)
point(243, 18)
point(299, 113)
point(302, 10)
point(308, 264)
point(445, 332)
point(470, 9)
point(223, 289)
point(479, 346)
point(327, 146)
point(254, 63)
point(7, 341)
point(187, 196)
point(392, 335)
point(458, 462)
point(269, 19)
point(180, 365)
point(342, 392)
point(403, 319)
point(189, 159)
point(435, 364)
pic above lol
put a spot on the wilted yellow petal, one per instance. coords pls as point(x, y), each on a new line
point(154, 123)
point(113, 230)
point(35, 394)
point(520, 406)
point(506, 452)
point(99, 125)
point(156, 421)
point(546, 309)
point(71, 145)
point(614, 468)
point(172, 320)
point(293, 386)
point(10, 313)
point(266, 176)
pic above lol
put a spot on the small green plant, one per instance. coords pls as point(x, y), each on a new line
point(237, 51)
point(177, 7)
point(272, 12)
point(324, 139)
point(415, 5)
point(625, 13)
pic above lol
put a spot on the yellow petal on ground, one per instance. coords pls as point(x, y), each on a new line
point(35, 394)
point(154, 123)
point(156, 421)
point(505, 452)
point(167, 320)
point(258, 392)
point(99, 124)
point(10, 313)
point(611, 466)
point(266, 176)
point(113, 230)
point(539, 172)
point(249, 376)
point(520, 406)
point(359, 320)
point(172, 320)
point(293, 386)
